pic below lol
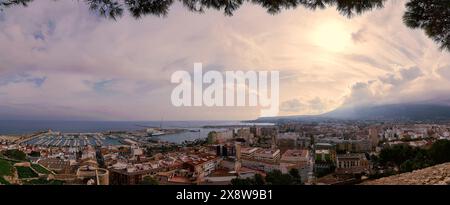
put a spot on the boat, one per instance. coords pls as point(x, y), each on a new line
point(154, 132)
point(157, 133)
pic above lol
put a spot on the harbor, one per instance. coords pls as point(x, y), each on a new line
point(73, 140)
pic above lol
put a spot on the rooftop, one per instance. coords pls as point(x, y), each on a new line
point(295, 153)
point(351, 156)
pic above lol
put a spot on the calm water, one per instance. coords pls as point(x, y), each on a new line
point(27, 127)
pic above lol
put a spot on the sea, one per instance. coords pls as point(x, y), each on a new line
point(21, 127)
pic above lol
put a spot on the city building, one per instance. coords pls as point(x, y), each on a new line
point(325, 152)
point(299, 159)
point(92, 175)
point(127, 176)
point(220, 137)
point(260, 159)
point(225, 150)
point(203, 166)
point(352, 163)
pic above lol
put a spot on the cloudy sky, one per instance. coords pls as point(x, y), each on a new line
point(60, 61)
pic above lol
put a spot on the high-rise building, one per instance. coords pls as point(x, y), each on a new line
point(373, 137)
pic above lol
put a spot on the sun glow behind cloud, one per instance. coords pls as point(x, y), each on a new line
point(100, 69)
point(331, 35)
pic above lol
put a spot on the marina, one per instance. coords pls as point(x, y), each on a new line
point(74, 140)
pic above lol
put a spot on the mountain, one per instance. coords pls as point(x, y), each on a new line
point(393, 112)
point(397, 112)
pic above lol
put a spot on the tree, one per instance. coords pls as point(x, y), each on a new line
point(407, 166)
point(296, 176)
point(149, 180)
point(8, 3)
point(396, 154)
point(277, 178)
point(433, 17)
point(211, 137)
point(408, 159)
point(15, 154)
point(258, 180)
point(440, 151)
point(272, 178)
point(242, 182)
point(35, 154)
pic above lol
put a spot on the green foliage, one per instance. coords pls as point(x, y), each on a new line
point(277, 178)
point(440, 151)
point(407, 158)
point(148, 180)
point(43, 182)
point(211, 135)
point(3, 181)
point(242, 182)
point(197, 142)
point(150, 151)
point(34, 154)
point(258, 179)
point(139, 8)
point(407, 166)
point(397, 154)
point(320, 172)
point(255, 180)
point(25, 172)
point(5, 168)
point(15, 154)
point(38, 168)
point(296, 176)
point(325, 159)
point(8, 3)
point(272, 178)
point(378, 175)
point(433, 17)
point(374, 158)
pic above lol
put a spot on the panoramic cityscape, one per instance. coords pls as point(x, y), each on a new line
point(236, 92)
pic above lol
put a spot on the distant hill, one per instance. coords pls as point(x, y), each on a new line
point(398, 112)
point(394, 112)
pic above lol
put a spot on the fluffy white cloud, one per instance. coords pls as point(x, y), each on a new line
point(307, 107)
point(58, 60)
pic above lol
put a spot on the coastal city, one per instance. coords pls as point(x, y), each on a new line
point(296, 153)
point(224, 101)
